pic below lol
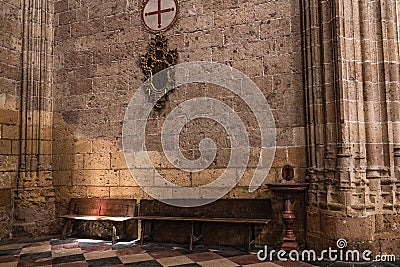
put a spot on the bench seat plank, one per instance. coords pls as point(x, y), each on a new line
point(205, 219)
point(96, 218)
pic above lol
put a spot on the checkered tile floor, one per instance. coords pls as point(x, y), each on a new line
point(74, 253)
point(78, 252)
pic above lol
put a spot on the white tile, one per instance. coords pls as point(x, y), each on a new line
point(172, 261)
point(9, 264)
point(99, 254)
point(12, 246)
point(36, 249)
point(65, 252)
point(219, 262)
point(135, 258)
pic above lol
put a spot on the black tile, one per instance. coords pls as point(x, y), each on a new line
point(89, 244)
point(342, 264)
point(319, 263)
point(199, 250)
point(62, 241)
point(104, 262)
point(9, 258)
point(152, 247)
point(196, 249)
point(122, 246)
point(230, 252)
point(38, 262)
point(354, 264)
point(151, 263)
point(9, 252)
point(385, 264)
point(35, 256)
point(70, 258)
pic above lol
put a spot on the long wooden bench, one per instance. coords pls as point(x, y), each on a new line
point(95, 209)
point(250, 212)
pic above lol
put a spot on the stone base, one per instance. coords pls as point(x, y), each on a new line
point(375, 232)
point(34, 213)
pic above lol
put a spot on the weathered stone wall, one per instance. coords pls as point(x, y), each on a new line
point(10, 75)
point(8, 169)
point(98, 45)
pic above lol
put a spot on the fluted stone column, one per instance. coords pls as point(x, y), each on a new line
point(34, 198)
point(351, 60)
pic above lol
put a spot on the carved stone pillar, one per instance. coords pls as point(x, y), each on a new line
point(390, 50)
point(34, 198)
point(351, 63)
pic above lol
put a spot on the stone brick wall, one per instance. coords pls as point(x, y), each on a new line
point(97, 49)
point(9, 136)
point(10, 75)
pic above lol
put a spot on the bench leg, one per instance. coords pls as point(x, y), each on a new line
point(124, 229)
point(67, 225)
point(191, 236)
point(151, 234)
point(114, 234)
point(142, 231)
point(249, 235)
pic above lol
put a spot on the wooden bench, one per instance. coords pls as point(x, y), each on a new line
point(95, 209)
point(250, 212)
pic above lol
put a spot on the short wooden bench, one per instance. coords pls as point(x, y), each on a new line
point(250, 212)
point(95, 209)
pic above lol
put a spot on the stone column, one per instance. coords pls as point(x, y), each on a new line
point(390, 50)
point(34, 199)
point(351, 58)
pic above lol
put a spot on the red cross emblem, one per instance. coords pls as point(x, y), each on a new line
point(159, 15)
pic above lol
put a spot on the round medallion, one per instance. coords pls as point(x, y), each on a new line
point(159, 15)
